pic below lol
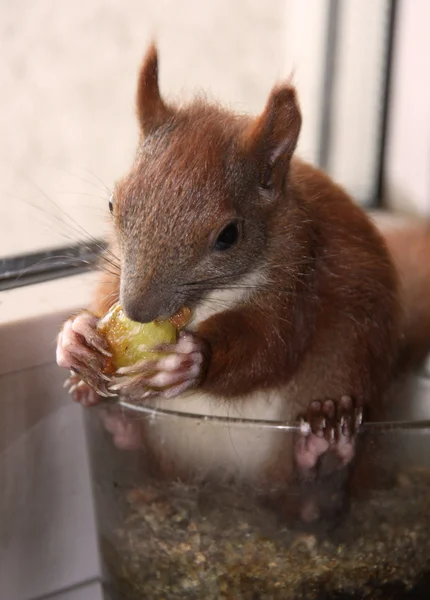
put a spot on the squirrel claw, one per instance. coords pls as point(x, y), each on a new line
point(81, 392)
point(83, 351)
point(168, 376)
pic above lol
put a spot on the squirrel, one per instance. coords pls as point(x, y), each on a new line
point(302, 308)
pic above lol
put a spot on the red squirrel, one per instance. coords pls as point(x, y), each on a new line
point(298, 308)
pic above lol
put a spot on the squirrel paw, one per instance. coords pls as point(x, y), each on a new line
point(324, 450)
point(126, 432)
point(181, 369)
point(83, 350)
point(328, 426)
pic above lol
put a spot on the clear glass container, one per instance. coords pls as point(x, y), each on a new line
point(193, 507)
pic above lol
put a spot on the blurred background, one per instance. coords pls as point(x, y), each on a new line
point(68, 76)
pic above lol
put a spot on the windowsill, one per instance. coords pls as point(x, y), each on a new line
point(35, 312)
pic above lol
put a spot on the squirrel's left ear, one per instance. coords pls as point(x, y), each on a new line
point(272, 137)
point(152, 112)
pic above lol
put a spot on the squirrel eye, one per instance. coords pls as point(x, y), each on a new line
point(227, 238)
point(111, 204)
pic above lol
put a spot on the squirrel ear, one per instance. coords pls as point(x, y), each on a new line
point(272, 137)
point(151, 110)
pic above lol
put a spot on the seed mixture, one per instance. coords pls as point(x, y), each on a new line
point(183, 542)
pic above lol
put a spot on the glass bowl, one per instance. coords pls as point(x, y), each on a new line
point(194, 507)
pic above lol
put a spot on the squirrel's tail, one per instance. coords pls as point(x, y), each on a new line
point(408, 241)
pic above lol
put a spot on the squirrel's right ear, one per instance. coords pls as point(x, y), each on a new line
point(151, 110)
point(272, 137)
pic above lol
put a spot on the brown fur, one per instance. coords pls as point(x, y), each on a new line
point(151, 110)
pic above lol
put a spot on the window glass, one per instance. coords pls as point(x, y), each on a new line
point(68, 79)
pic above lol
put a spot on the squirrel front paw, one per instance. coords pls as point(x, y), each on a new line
point(328, 426)
point(82, 350)
point(182, 367)
point(324, 450)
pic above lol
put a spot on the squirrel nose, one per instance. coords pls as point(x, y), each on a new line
point(142, 308)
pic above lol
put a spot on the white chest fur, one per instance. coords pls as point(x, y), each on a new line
point(228, 447)
point(227, 298)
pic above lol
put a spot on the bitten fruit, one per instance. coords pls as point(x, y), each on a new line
point(130, 342)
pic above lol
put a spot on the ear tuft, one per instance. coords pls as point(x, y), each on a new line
point(151, 110)
point(272, 137)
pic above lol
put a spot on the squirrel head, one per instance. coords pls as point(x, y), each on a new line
point(193, 214)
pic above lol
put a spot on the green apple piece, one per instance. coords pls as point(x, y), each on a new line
point(131, 342)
